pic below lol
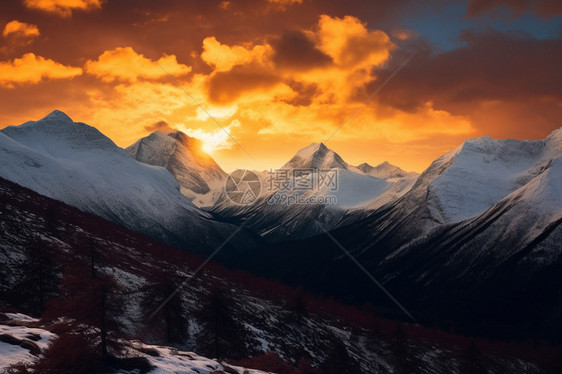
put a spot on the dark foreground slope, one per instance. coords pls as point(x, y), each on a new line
point(70, 248)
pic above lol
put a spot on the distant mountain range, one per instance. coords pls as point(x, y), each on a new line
point(275, 219)
point(472, 242)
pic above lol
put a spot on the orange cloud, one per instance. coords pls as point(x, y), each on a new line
point(63, 7)
point(401, 33)
point(351, 44)
point(337, 58)
point(126, 111)
point(223, 57)
point(20, 30)
point(32, 69)
point(266, 83)
point(124, 64)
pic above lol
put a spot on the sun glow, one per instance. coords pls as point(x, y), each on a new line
point(208, 148)
point(214, 140)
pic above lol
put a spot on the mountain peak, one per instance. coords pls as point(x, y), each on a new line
point(316, 155)
point(311, 149)
point(58, 116)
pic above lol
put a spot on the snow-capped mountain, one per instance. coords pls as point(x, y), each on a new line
point(200, 178)
point(75, 163)
point(287, 210)
point(470, 179)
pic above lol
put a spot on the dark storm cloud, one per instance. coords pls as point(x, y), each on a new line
point(518, 71)
point(491, 66)
point(294, 50)
point(227, 86)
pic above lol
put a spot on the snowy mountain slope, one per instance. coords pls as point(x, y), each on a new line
point(517, 178)
point(75, 163)
point(284, 212)
point(503, 260)
point(318, 156)
point(199, 176)
point(480, 173)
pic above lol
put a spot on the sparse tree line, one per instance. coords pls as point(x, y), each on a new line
point(71, 291)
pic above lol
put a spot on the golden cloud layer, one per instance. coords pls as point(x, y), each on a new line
point(19, 29)
point(63, 7)
point(283, 90)
point(32, 69)
point(124, 64)
point(263, 91)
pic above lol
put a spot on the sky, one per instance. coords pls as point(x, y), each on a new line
point(256, 80)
